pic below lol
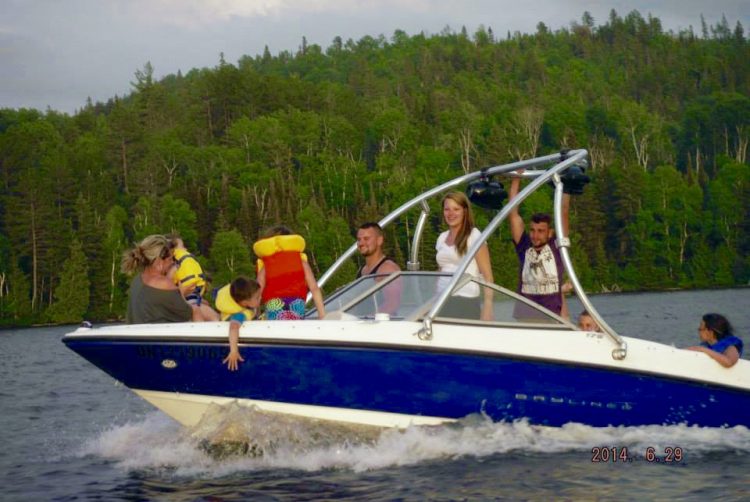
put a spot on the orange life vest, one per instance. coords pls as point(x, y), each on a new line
point(282, 256)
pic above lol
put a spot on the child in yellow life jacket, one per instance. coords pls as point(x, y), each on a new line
point(187, 272)
point(237, 302)
point(285, 276)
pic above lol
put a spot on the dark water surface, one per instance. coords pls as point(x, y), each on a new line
point(69, 432)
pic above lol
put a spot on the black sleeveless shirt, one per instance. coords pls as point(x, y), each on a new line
point(374, 269)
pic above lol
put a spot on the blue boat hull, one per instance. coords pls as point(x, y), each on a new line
point(418, 382)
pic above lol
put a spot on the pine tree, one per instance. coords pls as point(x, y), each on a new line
point(114, 244)
point(72, 295)
point(323, 140)
point(17, 304)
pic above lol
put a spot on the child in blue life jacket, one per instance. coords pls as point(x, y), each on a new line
point(237, 302)
point(718, 340)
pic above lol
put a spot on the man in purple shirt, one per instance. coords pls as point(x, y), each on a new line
point(540, 276)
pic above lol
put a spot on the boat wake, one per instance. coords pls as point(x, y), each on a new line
point(235, 439)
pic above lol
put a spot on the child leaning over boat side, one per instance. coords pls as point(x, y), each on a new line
point(237, 302)
point(718, 340)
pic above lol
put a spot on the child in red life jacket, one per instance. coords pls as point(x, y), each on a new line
point(285, 276)
point(237, 302)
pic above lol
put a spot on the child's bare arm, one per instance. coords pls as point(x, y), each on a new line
point(234, 358)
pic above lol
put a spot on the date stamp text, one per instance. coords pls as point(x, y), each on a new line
point(623, 454)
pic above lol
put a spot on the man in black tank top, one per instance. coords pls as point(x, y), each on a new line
point(370, 244)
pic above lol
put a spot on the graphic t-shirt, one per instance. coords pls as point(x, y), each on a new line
point(541, 273)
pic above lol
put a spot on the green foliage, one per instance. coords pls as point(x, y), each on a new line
point(503, 259)
point(72, 294)
point(165, 215)
point(713, 125)
point(327, 238)
point(16, 300)
point(114, 243)
point(178, 218)
point(326, 138)
point(230, 257)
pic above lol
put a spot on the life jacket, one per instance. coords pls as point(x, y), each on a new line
point(189, 271)
point(226, 305)
point(282, 256)
point(721, 345)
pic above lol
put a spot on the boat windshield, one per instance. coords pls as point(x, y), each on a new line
point(410, 295)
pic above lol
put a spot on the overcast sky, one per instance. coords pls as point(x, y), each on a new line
point(57, 53)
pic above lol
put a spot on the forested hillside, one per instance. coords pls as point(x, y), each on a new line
point(326, 138)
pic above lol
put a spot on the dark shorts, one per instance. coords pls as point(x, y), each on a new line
point(195, 298)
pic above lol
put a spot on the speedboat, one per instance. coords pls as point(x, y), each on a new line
point(385, 356)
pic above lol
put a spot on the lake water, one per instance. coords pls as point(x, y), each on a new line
point(69, 432)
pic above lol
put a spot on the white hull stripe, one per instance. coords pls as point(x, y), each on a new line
point(189, 408)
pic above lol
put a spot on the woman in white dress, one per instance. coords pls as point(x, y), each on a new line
point(451, 247)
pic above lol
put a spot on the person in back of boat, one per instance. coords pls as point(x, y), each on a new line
point(451, 247)
point(187, 272)
point(587, 323)
point(153, 296)
point(718, 340)
point(284, 275)
point(540, 276)
point(237, 302)
point(370, 241)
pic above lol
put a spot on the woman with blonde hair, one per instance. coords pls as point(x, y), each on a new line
point(452, 245)
point(153, 296)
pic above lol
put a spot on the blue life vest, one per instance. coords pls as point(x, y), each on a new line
point(724, 344)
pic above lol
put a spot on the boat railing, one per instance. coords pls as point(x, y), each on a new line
point(506, 168)
point(413, 263)
point(561, 161)
point(563, 244)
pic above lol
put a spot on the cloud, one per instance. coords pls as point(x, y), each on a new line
point(196, 14)
point(58, 53)
point(193, 13)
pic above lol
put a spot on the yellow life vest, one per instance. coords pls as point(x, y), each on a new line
point(226, 305)
point(189, 271)
point(272, 245)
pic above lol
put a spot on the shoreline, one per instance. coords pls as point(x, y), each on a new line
point(5, 327)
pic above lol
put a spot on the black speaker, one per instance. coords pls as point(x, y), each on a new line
point(486, 193)
point(574, 179)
